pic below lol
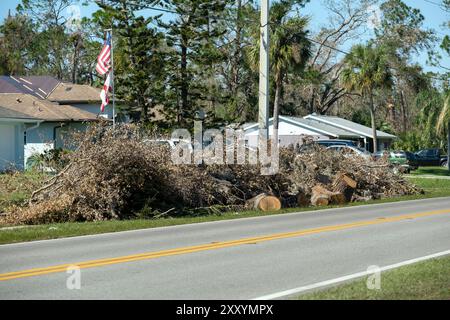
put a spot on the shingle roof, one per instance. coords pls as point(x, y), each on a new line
point(42, 109)
point(37, 86)
point(45, 87)
point(72, 93)
point(348, 125)
point(12, 114)
point(314, 126)
point(337, 132)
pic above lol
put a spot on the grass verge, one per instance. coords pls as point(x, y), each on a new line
point(428, 280)
point(433, 188)
point(436, 171)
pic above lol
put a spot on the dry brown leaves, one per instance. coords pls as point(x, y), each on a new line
point(113, 175)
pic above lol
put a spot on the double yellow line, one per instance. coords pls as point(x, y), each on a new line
point(210, 246)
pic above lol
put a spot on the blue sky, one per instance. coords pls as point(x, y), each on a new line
point(434, 18)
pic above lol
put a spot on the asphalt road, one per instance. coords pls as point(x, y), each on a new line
point(238, 259)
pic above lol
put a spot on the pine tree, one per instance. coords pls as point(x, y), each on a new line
point(139, 56)
point(192, 37)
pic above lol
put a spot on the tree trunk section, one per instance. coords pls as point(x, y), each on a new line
point(404, 112)
point(374, 126)
point(322, 196)
point(264, 202)
point(345, 185)
point(184, 83)
point(237, 51)
point(276, 111)
point(303, 199)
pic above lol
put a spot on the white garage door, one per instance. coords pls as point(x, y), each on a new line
point(7, 146)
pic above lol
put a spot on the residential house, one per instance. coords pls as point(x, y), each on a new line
point(292, 130)
point(365, 133)
point(37, 113)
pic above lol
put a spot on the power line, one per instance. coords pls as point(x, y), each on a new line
point(440, 5)
point(310, 39)
point(349, 53)
point(198, 16)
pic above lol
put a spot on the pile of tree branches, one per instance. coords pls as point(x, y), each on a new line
point(114, 175)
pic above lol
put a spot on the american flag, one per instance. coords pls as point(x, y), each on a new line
point(104, 58)
point(104, 95)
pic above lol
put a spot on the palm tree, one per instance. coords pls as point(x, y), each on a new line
point(367, 70)
point(289, 50)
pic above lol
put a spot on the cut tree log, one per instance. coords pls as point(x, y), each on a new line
point(264, 202)
point(303, 199)
point(338, 198)
point(345, 185)
point(322, 196)
point(319, 200)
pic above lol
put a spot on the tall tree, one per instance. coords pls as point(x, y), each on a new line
point(50, 20)
point(367, 70)
point(62, 39)
point(239, 81)
point(139, 55)
point(192, 35)
point(403, 33)
point(347, 20)
point(290, 50)
point(16, 44)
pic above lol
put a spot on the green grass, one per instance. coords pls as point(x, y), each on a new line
point(433, 188)
point(429, 280)
point(437, 171)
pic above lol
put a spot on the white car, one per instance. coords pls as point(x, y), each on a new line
point(171, 143)
point(351, 151)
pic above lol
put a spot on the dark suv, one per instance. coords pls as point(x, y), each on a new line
point(430, 157)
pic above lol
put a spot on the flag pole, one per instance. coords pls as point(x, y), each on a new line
point(112, 78)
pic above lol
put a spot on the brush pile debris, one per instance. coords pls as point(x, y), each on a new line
point(114, 175)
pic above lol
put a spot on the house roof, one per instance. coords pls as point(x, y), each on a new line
point(37, 86)
point(348, 126)
point(74, 93)
point(29, 106)
point(6, 113)
point(45, 87)
point(248, 125)
point(314, 126)
point(323, 128)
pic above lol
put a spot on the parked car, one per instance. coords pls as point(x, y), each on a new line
point(171, 143)
point(327, 143)
point(332, 142)
point(403, 159)
point(430, 157)
point(351, 151)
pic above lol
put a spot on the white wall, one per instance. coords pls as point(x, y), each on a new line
point(288, 134)
point(11, 145)
point(50, 135)
point(7, 146)
point(95, 109)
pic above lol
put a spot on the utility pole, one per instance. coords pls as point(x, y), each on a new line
point(263, 117)
point(112, 79)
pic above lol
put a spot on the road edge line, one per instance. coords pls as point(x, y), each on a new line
point(357, 275)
